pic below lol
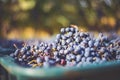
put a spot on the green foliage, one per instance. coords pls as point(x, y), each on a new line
point(50, 15)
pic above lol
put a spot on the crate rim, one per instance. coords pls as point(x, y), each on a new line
point(8, 63)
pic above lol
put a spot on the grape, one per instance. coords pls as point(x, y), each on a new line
point(93, 54)
point(35, 54)
point(77, 39)
point(56, 41)
point(56, 53)
point(81, 34)
point(57, 59)
point(96, 44)
point(77, 50)
point(58, 36)
point(78, 58)
point(62, 30)
point(64, 47)
point(83, 59)
point(73, 63)
point(104, 59)
point(66, 51)
point(38, 60)
point(20, 59)
point(90, 43)
point(70, 34)
point(43, 48)
point(17, 52)
point(64, 37)
point(12, 55)
point(67, 29)
point(28, 53)
point(73, 56)
point(63, 42)
point(118, 57)
point(51, 62)
point(61, 51)
point(79, 64)
point(54, 46)
point(46, 64)
point(68, 41)
point(70, 48)
point(68, 57)
point(87, 54)
point(89, 59)
point(24, 56)
point(46, 52)
point(72, 29)
point(97, 59)
point(28, 48)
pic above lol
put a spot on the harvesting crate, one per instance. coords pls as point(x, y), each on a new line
point(9, 70)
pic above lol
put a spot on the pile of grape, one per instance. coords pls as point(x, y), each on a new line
point(70, 48)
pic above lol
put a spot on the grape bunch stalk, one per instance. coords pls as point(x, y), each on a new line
point(71, 47)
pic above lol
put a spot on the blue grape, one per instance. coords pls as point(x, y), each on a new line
point(71, 49)
point(81, 34)
point(28, 47)
point(68, 57)
point(90, 43)
point(77, 50)
point(70, 34)
point(16, 52)
point(38, 60)
point(72, 29)
point(73, 56)
point(89, 59)
point(104, 59)
point(20, 59)
point(24, 56)
point(68, 41)
point(87, 54)
point(63, 42)
point(28, 53)
point(12, 55)
point(62, 30)
point(96, 44)
point(78, 58)
point(79, 64)
point(35, 54)
point(58, 36)
point(61, 51)
point(97, 59)
point(67, 29)
point(66, 51)
point(46, 64)
point(56, 53)
point(51, 62)
point(64, 37)
point(23, 50)
point(57, 59)
point(77, 39)
point(83, 59)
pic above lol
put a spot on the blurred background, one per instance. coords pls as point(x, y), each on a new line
point(42, 18)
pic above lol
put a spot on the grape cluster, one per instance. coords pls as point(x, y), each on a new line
point(70, 48)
